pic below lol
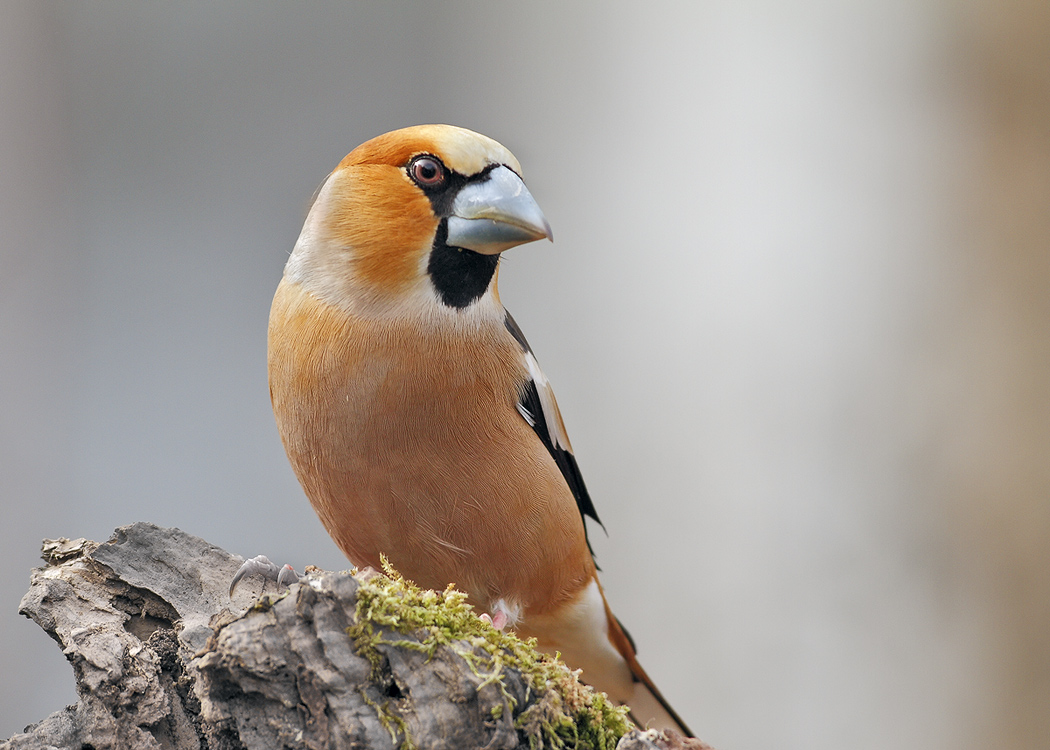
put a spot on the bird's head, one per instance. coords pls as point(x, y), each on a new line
point(415, 218)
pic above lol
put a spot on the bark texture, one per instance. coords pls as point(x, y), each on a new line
point(163, 658)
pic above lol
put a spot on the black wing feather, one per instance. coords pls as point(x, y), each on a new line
point(529, 402)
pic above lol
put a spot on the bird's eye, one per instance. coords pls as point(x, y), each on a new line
point(427, 171)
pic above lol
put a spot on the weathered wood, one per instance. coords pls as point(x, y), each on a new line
point(164, 659)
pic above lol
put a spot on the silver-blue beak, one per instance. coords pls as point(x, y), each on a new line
point(491, 216)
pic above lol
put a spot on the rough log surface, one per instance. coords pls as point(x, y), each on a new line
point(163, 658)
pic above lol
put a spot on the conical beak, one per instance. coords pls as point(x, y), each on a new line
point(491, 216)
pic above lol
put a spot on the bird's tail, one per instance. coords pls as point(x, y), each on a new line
point(648, 706)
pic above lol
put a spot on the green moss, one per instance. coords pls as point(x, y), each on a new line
point(392, 722)
point(564, 712)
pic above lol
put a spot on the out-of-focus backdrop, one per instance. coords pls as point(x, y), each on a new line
point(797, 315)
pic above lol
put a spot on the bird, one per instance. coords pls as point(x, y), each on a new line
point(414, 412)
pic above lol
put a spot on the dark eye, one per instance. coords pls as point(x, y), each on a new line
point(427, 171)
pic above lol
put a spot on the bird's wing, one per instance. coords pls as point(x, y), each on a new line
point(647, 702)
point(537, 405)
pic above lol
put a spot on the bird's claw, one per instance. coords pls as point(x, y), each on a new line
point(498, 620)
point(261, 566)
point(288, 576)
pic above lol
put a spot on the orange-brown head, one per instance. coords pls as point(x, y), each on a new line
point(414, 221)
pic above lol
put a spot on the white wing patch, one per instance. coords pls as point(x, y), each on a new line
point(526, 415)
point(555, 425)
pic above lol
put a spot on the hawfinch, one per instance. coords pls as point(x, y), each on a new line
point(414, 412)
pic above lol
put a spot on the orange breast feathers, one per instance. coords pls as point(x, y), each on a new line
point(409, 444)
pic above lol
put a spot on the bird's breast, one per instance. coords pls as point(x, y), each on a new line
point(408, 442)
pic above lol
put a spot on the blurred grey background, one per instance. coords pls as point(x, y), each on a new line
point(797, 316)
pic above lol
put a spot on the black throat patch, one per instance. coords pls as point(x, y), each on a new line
point(460, 276)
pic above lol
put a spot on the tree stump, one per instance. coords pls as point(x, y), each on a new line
point(163, 658)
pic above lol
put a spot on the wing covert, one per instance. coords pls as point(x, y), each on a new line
point(539, 408)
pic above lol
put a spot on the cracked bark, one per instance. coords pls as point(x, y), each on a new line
point(164, 659)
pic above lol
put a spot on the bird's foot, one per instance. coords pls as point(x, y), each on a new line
point(498, 619)
point(262, 566)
